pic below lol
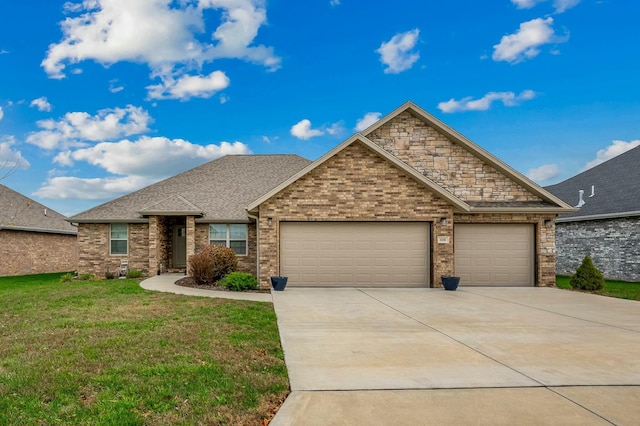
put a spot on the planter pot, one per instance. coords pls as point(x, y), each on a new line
point(450, 283)
point(279, 283)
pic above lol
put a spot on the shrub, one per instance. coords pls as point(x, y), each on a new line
point(239, 281)
point(108, 275)
point(212, 263)
point(134, 273)
point(86, 277)
point(587, 277)
point(68, 277)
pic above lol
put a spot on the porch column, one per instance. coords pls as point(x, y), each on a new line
point(154, 244)
point(191, 238)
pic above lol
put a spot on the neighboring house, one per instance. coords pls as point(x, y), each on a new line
point(400, 204)
point(33, 238)
point(607, 226)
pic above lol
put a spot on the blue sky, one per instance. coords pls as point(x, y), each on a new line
point(101, 97)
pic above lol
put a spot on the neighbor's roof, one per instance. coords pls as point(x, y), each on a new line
point(216, 191)
point(615, 189)
point(21, 213)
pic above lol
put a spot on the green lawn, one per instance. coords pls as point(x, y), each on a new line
point(110, 353)
point(619, 289)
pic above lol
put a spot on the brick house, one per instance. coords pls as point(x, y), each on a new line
point(402, 203)
point(33, 238)
point(606, 225)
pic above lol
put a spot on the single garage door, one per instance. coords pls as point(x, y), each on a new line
point(364, 254)
point(494, 254)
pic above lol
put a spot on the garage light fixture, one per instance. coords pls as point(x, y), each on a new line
point(443, 221)
point(269, 221)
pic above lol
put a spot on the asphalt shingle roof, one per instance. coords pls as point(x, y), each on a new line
point(220, 189)
point(616, 187)
point(22, 213)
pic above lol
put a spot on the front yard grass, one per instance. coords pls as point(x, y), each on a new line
point(111, 353)
point(619, 289)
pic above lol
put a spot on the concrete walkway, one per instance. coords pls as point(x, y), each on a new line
point(166, 283)
point(474, 356)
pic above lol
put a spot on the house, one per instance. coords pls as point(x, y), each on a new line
point(33, 238)
point(407, 200)
point(606, 225)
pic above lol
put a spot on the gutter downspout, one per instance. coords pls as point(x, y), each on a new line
point(257, 219)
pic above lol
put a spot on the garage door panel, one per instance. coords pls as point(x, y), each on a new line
point(494, 254)
point(355, 253)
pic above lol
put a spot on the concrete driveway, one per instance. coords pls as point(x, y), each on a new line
point(473, 356)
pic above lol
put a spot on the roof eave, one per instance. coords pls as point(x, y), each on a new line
point(114, 220)
point(171, 213)
point(554, 210)
point(35, 229)
point(598, 216)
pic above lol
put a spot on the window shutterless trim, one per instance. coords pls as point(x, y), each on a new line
point(111, 239)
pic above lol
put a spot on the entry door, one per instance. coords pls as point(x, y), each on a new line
point(179, 246)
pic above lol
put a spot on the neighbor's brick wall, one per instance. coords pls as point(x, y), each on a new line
point(245, 263)
point(613, 244)
point(355, 185)
point(93, 246)
point(449, 165)
point(23, 253)
point(545, 261)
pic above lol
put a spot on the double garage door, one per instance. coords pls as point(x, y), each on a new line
point(388, 254)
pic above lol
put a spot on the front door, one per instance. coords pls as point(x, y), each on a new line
point(179, 246)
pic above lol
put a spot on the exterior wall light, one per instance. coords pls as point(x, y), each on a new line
point(443, 221)
point(269, 221)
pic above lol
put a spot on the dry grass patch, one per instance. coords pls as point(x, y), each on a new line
point(108, 352)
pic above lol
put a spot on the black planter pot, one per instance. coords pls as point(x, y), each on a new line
point(279, 283)
point(450, 283)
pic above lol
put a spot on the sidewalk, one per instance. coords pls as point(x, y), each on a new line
point(166, 283)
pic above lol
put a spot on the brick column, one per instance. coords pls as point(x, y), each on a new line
point(154, 255)
point(191, 238)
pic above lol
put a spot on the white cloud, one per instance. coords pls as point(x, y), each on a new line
point(613, 150)
point(302, 130)
point(484, 103)
point(336, 129)
point(224, 99)
point(42, 104)
point(114, 87)
point(9, 158)
point(397, 54)
point(3, 52)
point(75, 129)
point(162, 156)
point(159, 33)
point(1, 113)
point(75, 188)
point(543, 173)
point(334, 2)
point(188, 86)
point(525, 43)
point(366, 121)
point(559, 5)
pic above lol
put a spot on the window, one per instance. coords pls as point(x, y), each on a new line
point(233, 236)
point(119, 238)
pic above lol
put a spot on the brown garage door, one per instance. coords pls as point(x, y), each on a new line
point(365, 254)
point(494, 254)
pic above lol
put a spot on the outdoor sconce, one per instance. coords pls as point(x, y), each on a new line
point(443, 221)
point(269, 221)
point(548, 223)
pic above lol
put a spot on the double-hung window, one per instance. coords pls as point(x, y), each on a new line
point(119, 238)
point(232, 235)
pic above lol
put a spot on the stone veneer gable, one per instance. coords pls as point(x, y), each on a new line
point(448, 164)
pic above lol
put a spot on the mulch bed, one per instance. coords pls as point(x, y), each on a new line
point(190, 282)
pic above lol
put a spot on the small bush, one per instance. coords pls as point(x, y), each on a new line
point(587, 277)
point(108, 275)
point(239, 281)
point(68, 277)
point(212, 263)
point(86, 277)
point(134, 273)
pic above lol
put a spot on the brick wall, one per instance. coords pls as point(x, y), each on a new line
point(93, 246)
point(613, 244)
point(23, 253)
point(355, 185)
point(446, 163)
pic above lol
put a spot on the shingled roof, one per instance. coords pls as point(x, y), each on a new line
point(218, 191)
point(21, 213)
point(616, 191)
